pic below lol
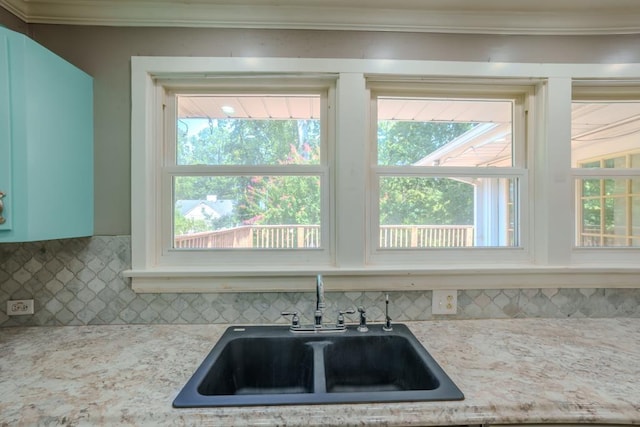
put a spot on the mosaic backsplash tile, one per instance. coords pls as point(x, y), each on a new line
point(78, 282)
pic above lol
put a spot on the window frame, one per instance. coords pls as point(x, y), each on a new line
point(467, 89)
point(595, 90)
point(550, 260)
point(236, 258)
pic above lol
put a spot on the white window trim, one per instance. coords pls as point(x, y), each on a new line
point(505, 89)
point(238, 259)
point(552, 262)
point(589, 90)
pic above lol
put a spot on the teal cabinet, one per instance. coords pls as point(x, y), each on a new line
point(46, 144)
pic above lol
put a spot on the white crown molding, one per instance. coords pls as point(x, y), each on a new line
point(567, 17)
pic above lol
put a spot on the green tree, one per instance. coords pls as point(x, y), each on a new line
point(296, 199)
point(408, 201)
point(182, 225)
point(284, 199)
point(442, 201)
point(406, 142)
point(239, 142)
point(246, 141)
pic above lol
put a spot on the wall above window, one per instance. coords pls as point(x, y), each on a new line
point(443, 16)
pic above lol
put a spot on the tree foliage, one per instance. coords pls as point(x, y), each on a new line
point(406, 142)
point(284, 199)
point(405, 201)
point(279, 199)
point(265, 200)
point(441, 201)
point(182, 225)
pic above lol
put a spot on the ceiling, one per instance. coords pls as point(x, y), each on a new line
point(249, 106)
point(445, 16)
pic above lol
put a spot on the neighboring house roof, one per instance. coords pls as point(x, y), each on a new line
point(217, 208)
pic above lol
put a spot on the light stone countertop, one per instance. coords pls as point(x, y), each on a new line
point(511, 371)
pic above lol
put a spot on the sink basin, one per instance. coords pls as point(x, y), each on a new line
point(260, 366)
point(383, 363)
point(270, 365)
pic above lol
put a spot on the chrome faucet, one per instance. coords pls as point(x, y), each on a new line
point(318, 314)
point(320, 305)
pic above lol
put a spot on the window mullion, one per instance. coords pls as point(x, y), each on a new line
point(554, 205)
point(351, 170)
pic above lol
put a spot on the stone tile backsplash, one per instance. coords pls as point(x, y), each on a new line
point(78, 282)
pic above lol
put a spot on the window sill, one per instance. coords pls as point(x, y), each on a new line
point(383, 279)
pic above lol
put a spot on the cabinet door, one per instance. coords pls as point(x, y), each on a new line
point(46, 142)
point(58, 120)
point(5, 137)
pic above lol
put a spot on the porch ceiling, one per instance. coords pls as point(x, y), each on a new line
point(595, 121)
point(489, 144)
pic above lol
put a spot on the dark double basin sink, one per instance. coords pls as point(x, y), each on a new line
point(270, 365)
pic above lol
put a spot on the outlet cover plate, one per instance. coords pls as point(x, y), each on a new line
point(19, 307)
point(444, 301)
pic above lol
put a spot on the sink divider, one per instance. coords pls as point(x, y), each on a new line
point(319, 377)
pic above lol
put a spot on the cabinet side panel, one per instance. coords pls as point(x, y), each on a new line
point(6, 215)
point(13, 136)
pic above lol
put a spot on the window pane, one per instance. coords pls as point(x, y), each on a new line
point(615, 163)
point(248, 212)
point(601, 131)
point(444, 132)
point(615, 186)
point(591, 212)
point(604, 134)
point(595, 164)
point(417, 212)
point(248, 129)
point(590, 187)
point(609, 219)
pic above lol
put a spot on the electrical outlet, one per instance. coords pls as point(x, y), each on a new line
point(19, 307)
point(444, 301)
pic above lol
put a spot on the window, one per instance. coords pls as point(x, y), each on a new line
point(449, 169)
point(248, 170)
point(244, 177)
point(258, 173)
point(605, 146)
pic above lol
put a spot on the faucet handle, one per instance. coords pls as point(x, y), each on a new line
point(340, 322)
point(363, 320)
point(295, 320)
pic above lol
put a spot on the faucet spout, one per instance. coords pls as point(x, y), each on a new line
point(319, 293)
point(319, 301)
point(318, 314)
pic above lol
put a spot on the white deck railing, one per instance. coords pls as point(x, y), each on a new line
point(426, 236)
point(308, 236)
